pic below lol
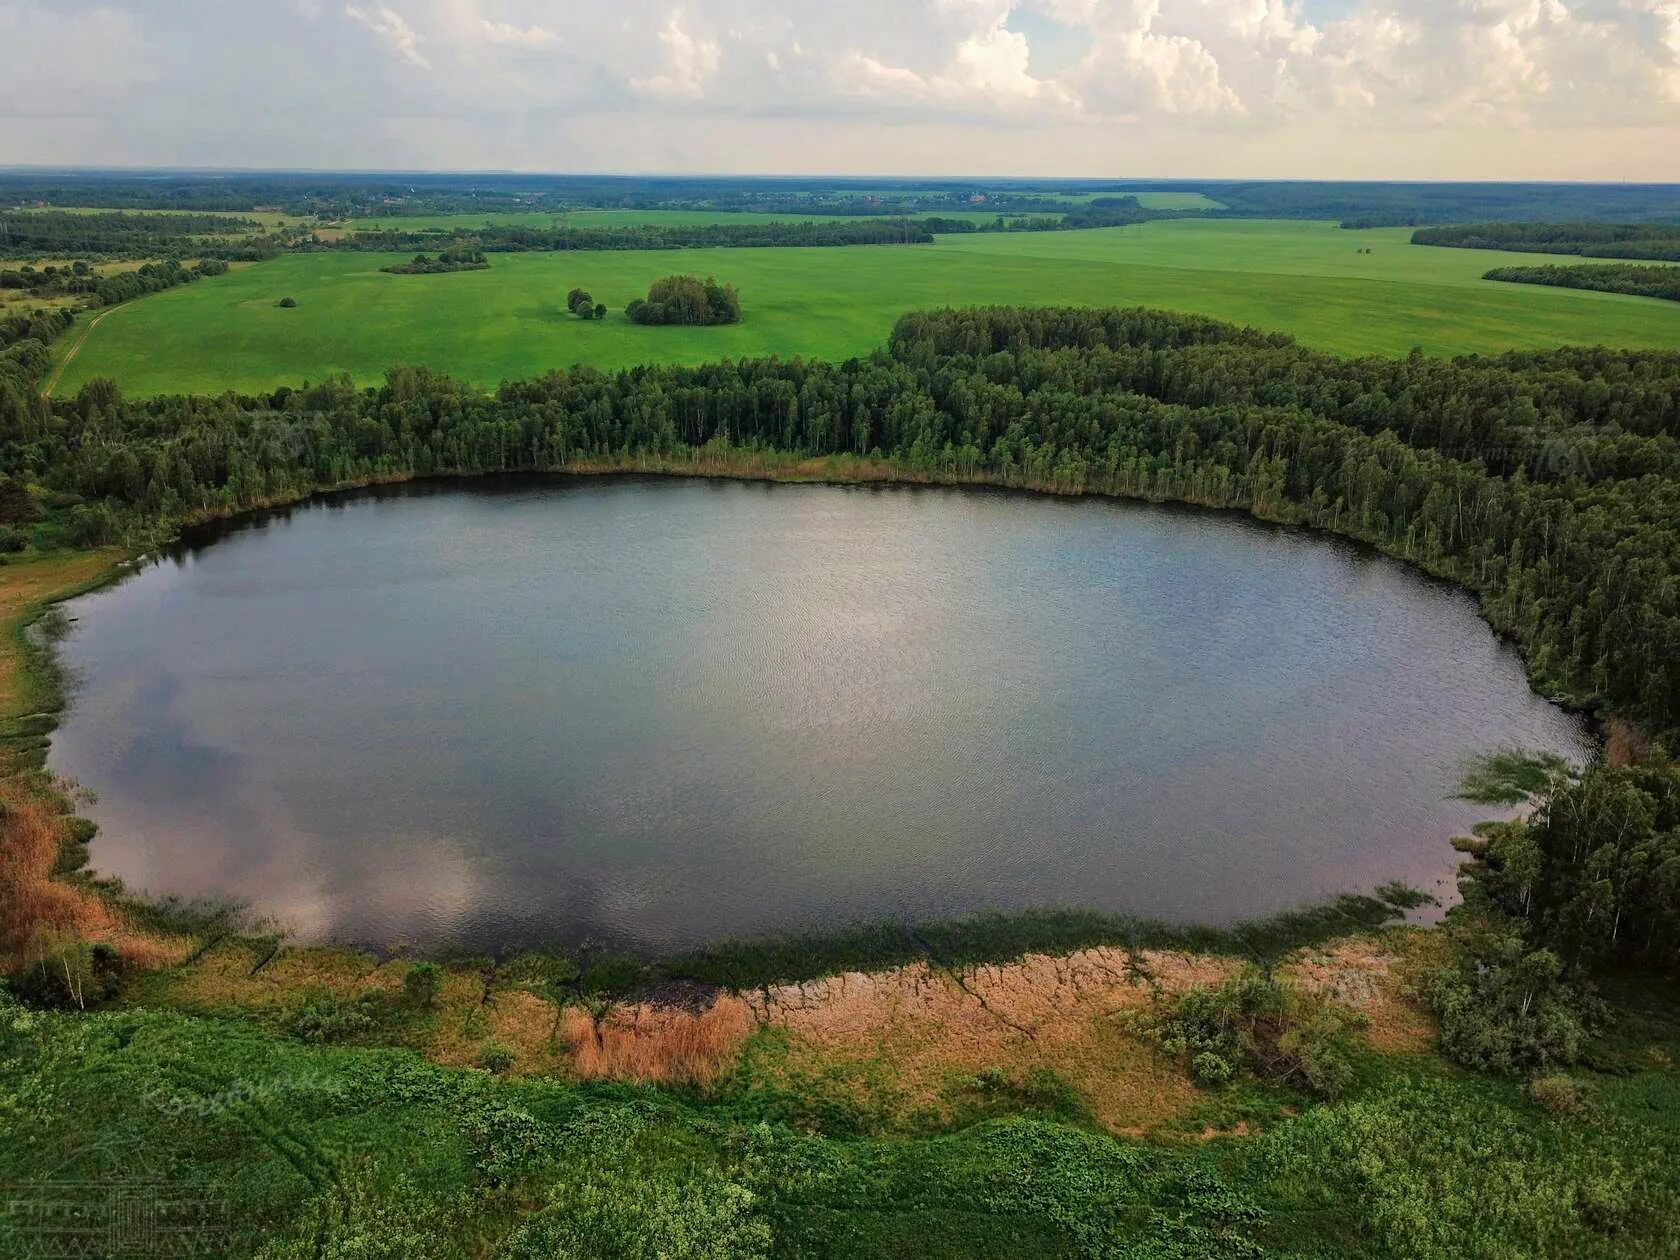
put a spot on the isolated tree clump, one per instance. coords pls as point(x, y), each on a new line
point(581, 304)
point(687, 300)
point(287, 303)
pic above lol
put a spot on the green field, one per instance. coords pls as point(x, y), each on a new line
point(510, 321)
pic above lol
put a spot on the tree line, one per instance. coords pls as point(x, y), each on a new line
point(508, 238)
point(1657, 242)
point(119, 234)
point(81, 280)
point(1629, 278)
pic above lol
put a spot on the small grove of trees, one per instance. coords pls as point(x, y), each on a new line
point(1591, 875)
point(687, 300)
point(580, 303)
point(459, 258)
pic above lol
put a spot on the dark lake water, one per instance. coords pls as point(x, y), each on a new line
point(654, 712)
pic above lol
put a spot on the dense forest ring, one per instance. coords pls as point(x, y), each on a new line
point(510, 323)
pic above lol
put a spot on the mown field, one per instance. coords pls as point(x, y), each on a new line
point(1309, 279)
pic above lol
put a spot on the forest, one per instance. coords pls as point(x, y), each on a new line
point(120, 235)
point(1629, 278)
point(1659, 242)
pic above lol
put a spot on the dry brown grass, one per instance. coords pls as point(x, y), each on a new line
point(631, 1041)
point(30, 899)
point(32, 902)
point(646, 1043)
point(905, 1034)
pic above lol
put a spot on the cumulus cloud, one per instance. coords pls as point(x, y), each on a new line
point(393, 29)
point(688, 63)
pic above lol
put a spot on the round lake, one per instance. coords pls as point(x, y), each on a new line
point(653, 712)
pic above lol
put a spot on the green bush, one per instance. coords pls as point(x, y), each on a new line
point(326, 1017)
point(495, 1057)
point(422, 984)
point(1256, 1024)
point(1556, 1093)
point(1505, 1007)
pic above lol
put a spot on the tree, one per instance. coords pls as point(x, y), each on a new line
point(687, 300)
point(579, 303)
point(600, 310)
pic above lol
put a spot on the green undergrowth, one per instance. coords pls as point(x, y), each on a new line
point(265, 1145)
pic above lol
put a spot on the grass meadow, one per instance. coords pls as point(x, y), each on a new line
point(509, 322)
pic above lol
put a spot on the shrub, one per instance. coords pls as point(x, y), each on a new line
point(287, 303)
point(495, 1057)
point(1556, 1093)
point(579, 303)
point(1506, 1007)
point(65, 972)
point(422, 984)
point(1256, 1024)
point(325, 1017)
point(12, 539)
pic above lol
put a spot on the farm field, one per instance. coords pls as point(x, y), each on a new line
point(508, 322)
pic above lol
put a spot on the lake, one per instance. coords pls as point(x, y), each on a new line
point(652, 712)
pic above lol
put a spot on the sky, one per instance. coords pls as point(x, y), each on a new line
point(1347, 89)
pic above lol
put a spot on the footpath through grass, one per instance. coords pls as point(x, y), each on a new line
point(510, 322)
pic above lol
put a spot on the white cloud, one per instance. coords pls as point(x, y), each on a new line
point(689, 63)
point(394, 29)
point(528, 37)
